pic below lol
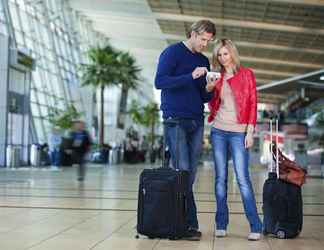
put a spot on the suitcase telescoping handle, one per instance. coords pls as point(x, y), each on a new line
point(277, 150)
point(164, 146)
point(176, 124)
point(270, 146)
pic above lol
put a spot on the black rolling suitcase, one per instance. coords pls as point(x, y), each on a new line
point(282, 204)
point(161, 211)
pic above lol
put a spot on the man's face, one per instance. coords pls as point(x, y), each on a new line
point(200, 41)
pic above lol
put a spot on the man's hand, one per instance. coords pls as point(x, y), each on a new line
point(198, 72)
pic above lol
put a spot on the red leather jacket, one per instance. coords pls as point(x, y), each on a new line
point(244, 90)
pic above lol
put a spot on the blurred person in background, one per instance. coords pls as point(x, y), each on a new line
point(81, 143)
point(54, 144)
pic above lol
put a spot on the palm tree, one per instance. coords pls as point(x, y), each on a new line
point(103, 70)
point(129, 80)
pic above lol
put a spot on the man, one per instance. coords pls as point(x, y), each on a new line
point(181, 77)
point(81, 143)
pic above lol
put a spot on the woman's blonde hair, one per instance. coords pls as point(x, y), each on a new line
point(230, 46)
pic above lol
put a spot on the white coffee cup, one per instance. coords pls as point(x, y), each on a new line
point(212, 76)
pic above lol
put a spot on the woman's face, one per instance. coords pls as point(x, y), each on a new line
point(224, 57)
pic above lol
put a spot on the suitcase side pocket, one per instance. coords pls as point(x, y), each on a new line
point(156, 208)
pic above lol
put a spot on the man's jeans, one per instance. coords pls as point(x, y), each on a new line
point(189, 134)
point(223, 142)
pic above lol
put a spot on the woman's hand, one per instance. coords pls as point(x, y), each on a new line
point(210, 86)
point(248, 140)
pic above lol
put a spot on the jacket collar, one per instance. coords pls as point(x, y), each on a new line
point(238, 73)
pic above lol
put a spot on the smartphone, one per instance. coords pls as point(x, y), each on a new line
point(212, 76)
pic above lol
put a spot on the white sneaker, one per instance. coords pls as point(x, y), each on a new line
point(219, 233)
point(254, 236)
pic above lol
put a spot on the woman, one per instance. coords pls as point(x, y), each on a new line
point(233, 113)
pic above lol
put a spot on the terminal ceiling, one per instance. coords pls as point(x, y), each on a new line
point(279, 39)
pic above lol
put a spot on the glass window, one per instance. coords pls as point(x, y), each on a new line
point(19, 39)
point(57, 86)
point(44, 110)
point(14, 16)
point(56, 66)
point(47, 126)
point(39, 129)
point(41, 98)
point(3, 28)
point(24, 21)
point(29, 43)
point(34, 109)
point(3, 24)
point(32, 95)
point(1, 11)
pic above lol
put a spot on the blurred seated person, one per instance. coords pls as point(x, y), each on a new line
point(144, 148)
point(54, 143)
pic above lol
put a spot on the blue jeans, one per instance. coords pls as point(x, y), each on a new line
point(55, 157)
point(222, 142)
point(189, 134)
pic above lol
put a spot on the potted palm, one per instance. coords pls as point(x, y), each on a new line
point(63, 119)
point(147, 116)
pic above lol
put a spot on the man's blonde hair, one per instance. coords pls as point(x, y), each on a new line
point(230, 46)
point(202, 26)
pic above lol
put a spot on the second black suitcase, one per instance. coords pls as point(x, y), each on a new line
point(282, 203)
point(282, 208)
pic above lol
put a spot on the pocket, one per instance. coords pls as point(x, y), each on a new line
point(188, 125)
point(171, 122)
point(157, 209)
point(213, 130)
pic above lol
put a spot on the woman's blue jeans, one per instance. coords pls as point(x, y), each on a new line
point(223, 142)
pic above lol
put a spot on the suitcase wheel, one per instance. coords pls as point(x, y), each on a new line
point(281, 234)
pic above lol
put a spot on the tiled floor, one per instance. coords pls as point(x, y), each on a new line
point(46, 210)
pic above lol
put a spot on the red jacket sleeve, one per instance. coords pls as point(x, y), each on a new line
point(253, 99)
point(212, 106)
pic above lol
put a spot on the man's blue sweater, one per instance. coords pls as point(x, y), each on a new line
point(181, 95)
